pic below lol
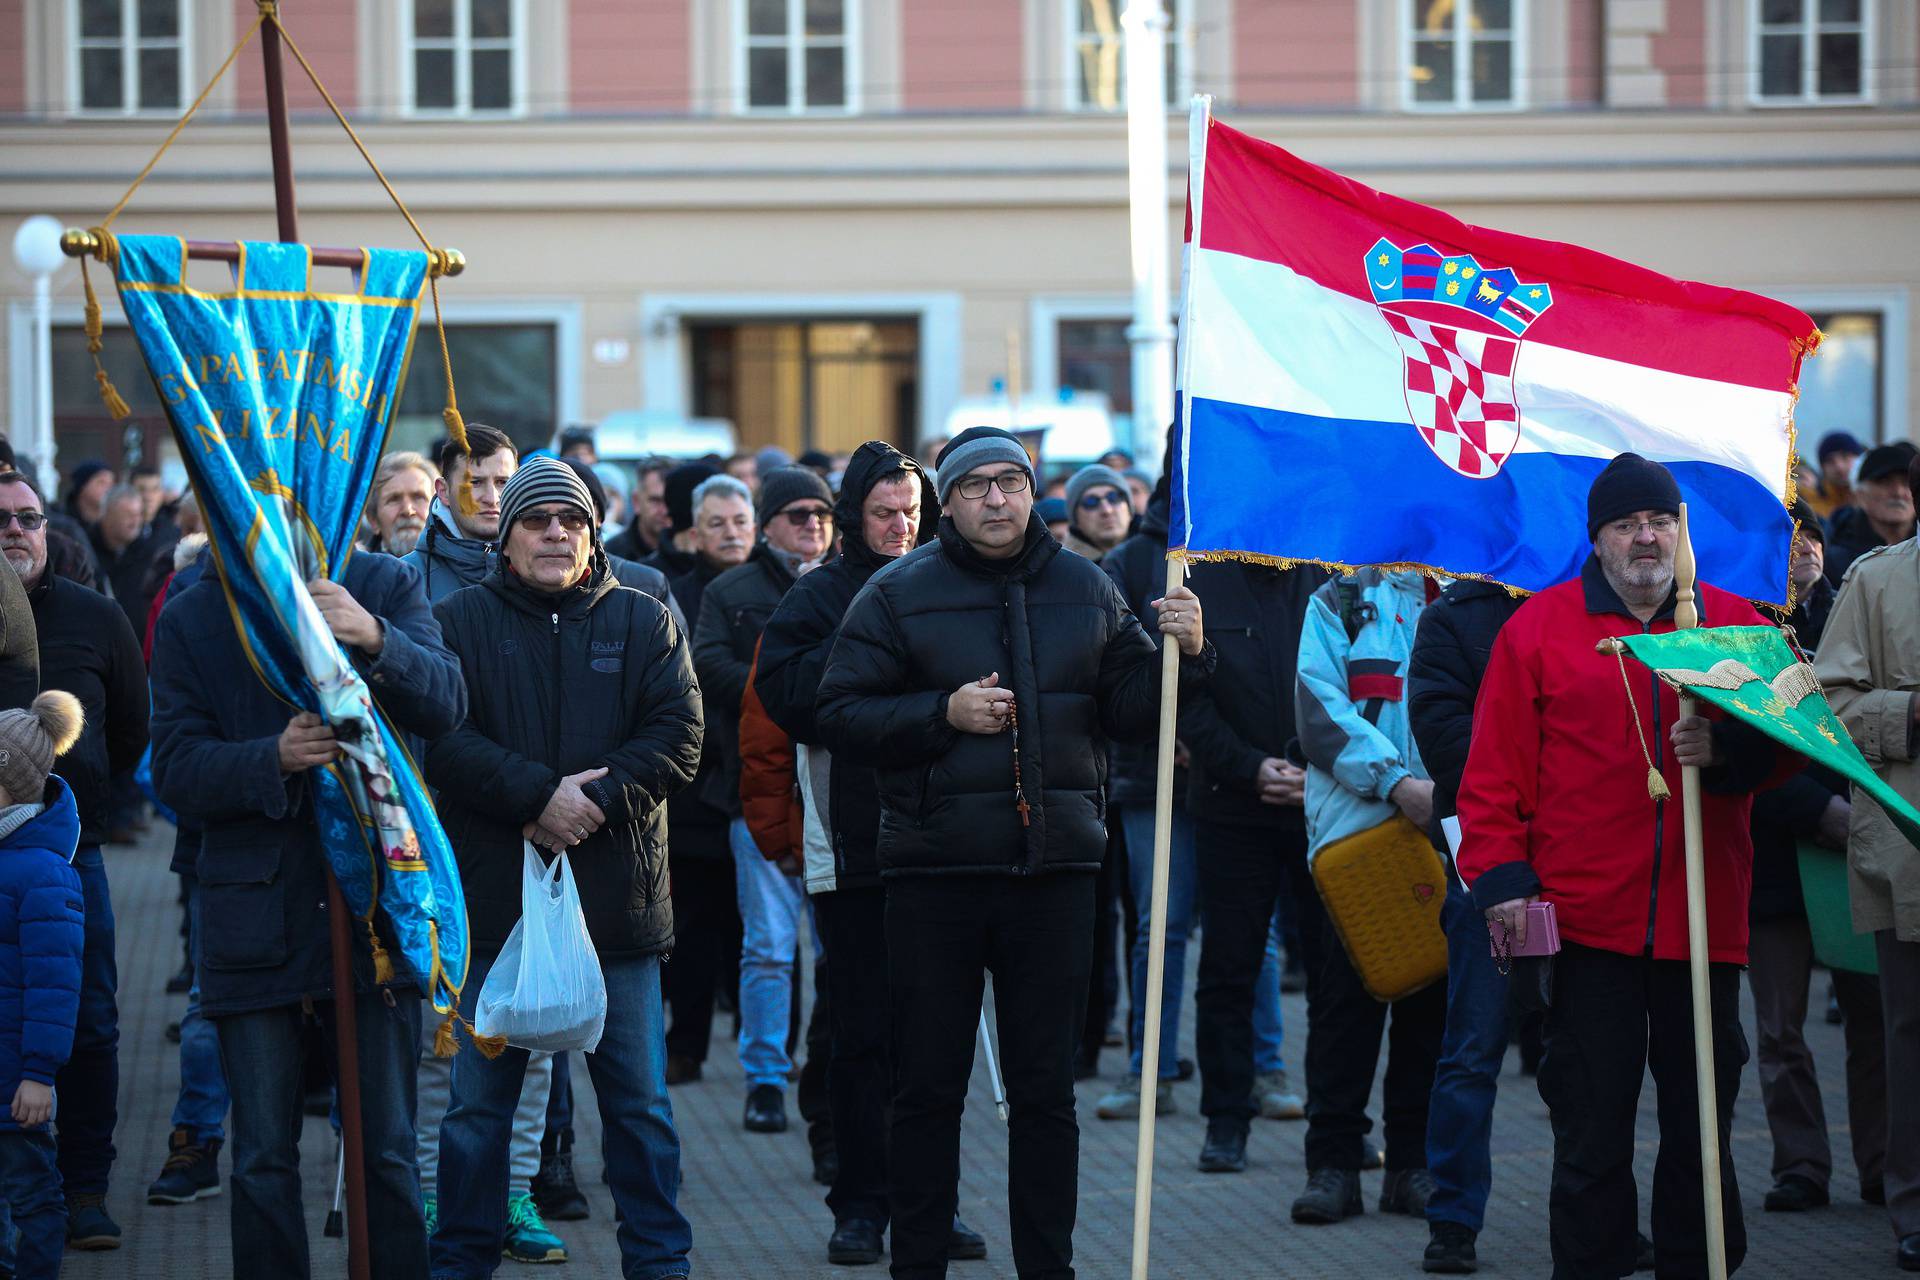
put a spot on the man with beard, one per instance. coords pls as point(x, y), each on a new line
point(1554, 805)
point(456, 548)
point(402, 496)
point(794, 511)
point(981, 676)
point(87, 648)
point(885, 509)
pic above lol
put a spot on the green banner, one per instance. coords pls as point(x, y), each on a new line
point(1750, 673)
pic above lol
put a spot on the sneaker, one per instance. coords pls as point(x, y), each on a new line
point(432, 1206)
point(192, 1171)
point(528, 1239)
point(1225, 1150)
point(555, 1192)
point(1795, 1194)
point(88, 1225)
point(1407, 1191)
point(766, 1109)
point(1449, 1250)
point(854, 1243)
point(1332, 1195)
point(1124, 1102)
point(1274, 1092)
point(965, 1244)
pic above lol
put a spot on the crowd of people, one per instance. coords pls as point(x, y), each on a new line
point(896, 714)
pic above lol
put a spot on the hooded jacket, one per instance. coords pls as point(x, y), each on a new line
point(841, 800)
point(1351, 703)
point(733, 611)
point(88, 648)
point(42, 933)
point(446, 558)
point(1081, 668)
point(1554, 798)
point(216, 759)
point(597, 675)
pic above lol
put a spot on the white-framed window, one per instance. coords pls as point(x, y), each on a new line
point(129, 56)
point(1463, 55)
point(463, 57)
point(1096, 61)
point(1810, 52)
point(797, 56)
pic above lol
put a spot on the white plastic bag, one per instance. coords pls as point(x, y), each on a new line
point(546, 990)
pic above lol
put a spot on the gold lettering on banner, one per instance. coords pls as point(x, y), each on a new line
point(210, 437)
point(342, 444)
point(280, 369)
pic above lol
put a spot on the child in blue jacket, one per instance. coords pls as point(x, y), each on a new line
point(41, 934)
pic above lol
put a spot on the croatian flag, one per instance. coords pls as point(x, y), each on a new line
point(1369, 381)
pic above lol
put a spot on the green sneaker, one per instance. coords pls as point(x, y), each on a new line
point(432, 1205)
point(528, 1239)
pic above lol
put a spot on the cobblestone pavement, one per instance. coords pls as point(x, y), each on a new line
point(756, 1212)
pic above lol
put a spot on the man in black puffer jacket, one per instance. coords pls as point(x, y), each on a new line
point(1444, 671)
point(981, 675)
point(885, 509)
point(583, 718)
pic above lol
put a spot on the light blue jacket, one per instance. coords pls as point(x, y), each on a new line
point(1350, 705)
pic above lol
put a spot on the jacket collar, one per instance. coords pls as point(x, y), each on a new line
point(1602, 598)
point(573, 602)
point(1038, 549)
point(57, 826)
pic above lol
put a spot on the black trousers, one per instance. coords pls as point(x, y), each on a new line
point(812, 1096)
point(1344, 1027)
point(944, 935)
point(1244, 872)
point(706, 918)
point(853, 929)
point(1103, 984)
point(1614, 1017)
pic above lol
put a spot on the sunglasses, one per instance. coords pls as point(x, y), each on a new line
point(28, 519)
point(1095, 501)
point(800, 517)
point(977, 486)
point(539, 521)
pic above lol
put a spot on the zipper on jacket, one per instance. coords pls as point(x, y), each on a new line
point(553, 747)
point(1659, 808)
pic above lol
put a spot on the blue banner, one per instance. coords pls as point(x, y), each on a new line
point(280, 397)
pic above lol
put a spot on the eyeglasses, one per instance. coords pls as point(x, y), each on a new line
point(800, 517)
point(539, 521)
point(976, 486)
point(28, 519)
point(1661, 526)
point(1095, 501)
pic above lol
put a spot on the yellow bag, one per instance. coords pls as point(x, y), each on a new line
point(1383, 888)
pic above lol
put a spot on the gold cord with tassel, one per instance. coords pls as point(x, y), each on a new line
point(95, 328)
point(382, 962)
point(1656, 785)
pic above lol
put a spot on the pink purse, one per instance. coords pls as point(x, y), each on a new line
point(1543, 935)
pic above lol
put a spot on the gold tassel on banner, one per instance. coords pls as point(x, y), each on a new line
point(95, 329)
point(382, 962)
point(444, 1043)
point(1657, 788)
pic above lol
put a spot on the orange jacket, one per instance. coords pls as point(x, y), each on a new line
point(769, 794)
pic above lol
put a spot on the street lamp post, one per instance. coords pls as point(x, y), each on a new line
point(1144, 24)
point(36, 249)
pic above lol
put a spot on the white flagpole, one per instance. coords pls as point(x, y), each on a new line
point(1163, 781)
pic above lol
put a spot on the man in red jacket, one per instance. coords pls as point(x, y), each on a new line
point(1554, 806)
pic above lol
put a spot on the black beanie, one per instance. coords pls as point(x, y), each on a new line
point(1628, 484)
point(1803, 515)
point(784, 486)
point(679, 486)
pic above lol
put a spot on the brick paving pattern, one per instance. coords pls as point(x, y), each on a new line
point(756, 1211)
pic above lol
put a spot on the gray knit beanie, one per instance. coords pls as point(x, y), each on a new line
point(31, 738)
point(978, 447)
point(1092, 477)
point(784, 486)
point(544, 480)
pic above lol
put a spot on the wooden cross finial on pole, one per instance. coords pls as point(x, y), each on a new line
point(1686, 616)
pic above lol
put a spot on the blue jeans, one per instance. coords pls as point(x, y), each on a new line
point(1460, 1116)
point(202, 1106)
point(1182, 899)
point(30, 1185)
point(1266, 1005)
point(264, 1056)
point(642, 1149)
point(89, 1085)
point(771, 906)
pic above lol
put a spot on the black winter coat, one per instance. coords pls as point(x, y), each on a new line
point(1253, 615)
point(88, 648)
point(798, 641)
point(1082, 671)
point(595, 676)
point(1138, 567)
point(733, 612)
point(216, 755)
point(1852, 535)
point(1450, 654)
point(699, 829)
